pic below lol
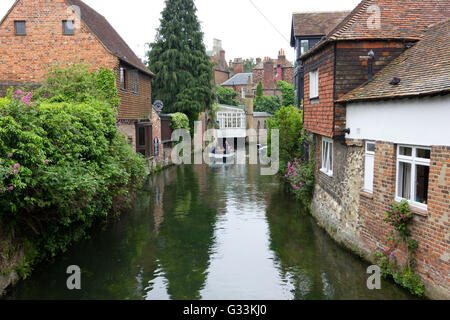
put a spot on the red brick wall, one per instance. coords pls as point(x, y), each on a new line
point(27, 58)
point(258, 76)
point(221, 76)
point(430, 229)
point(318, 114)
point(287, 75)
point(268, 75)
point(156, 133)
point(134, 106)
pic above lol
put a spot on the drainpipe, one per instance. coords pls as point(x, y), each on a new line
point(371, 55)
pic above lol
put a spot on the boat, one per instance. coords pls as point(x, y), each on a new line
point(221, 155)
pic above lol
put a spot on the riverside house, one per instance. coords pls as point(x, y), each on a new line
point(387, 140)
point(35, 34)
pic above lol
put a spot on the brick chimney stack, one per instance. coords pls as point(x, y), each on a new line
point(281, 57)
point(238, 66)
point(268, 81)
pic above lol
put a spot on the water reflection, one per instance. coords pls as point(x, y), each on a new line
point(198, 232)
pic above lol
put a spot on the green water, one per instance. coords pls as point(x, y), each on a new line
point(209, 233)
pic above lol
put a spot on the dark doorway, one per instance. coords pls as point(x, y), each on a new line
point(144, 139)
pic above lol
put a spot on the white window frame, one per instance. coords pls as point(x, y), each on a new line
point(244, 90)
point(369, 175)
point(413, 160)
point(314, 84)
point(325, 155)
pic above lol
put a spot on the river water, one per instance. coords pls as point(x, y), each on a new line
point(198, 232)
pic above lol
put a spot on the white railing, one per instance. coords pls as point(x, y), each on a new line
point(231, 120)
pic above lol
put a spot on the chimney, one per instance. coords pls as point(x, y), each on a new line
point(222, 61)
point(268, 81)
point(258, 61)
point(238, 66)
point(217, 46)
point(282, 58)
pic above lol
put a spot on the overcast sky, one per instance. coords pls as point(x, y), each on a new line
point(242, 29)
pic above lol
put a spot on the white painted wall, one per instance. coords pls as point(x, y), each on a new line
point(416, 121)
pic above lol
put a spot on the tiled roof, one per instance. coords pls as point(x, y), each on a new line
point(108, 36)
point(238, 79)
point(315, 23)
point(423, 69)
point(405, 19)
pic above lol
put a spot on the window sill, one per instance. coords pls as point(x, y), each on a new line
point(314, 100)
point(418, 211)
point(366, 194)
point(329, 174)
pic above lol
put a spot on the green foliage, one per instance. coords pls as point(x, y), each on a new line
point(179, 121)
point(227, 96)
point(63, 165)
point(287, 93)
point(288, 120)
point(270, 104)
point(183, 70)
point(259, 90)
point(400, 216)
point(300, 177)
point(75, 83)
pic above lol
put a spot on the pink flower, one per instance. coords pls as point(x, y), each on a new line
point(10, 155)
point(16, 166)
point(119, 123)
point(46, 161)
point(16, 171)
point(11, 188)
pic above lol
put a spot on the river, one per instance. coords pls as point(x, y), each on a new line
point(197, 232)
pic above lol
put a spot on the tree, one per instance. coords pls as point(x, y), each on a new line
point(259, 90)
point(183, 70)
point(227, 96)
point(289, 121)
point(287, 93)
point(269, 104)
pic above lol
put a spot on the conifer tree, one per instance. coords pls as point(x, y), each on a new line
point(183, 70)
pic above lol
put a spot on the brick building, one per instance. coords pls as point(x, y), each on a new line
point(238, 83)
point(308, 28)
point(221, 70)
point(349, 129)
point(270, 71)
point(37, 34)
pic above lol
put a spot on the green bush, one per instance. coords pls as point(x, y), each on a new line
point(179, 121)
point(289, 121)
point(63, 164)
point(287, 93)
point(227, 96)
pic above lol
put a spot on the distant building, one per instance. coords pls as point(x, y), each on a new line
point(221, 71)
point(238, 83)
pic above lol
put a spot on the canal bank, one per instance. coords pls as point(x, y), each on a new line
point(198, 232)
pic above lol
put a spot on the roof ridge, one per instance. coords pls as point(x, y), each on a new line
point(350, 19)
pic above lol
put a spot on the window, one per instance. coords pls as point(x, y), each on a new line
point(304, 46)
point(68, 27)
point(135, 86)
point(314, 84)
point(20, 28)
point(156, 147)
point(244, 90)
point(123, 79)
point(327, 156)
point(369, 167)
point(413, 169)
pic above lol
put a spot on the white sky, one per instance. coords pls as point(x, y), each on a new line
point(243, 30)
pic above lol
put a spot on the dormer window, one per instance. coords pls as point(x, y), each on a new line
point(20, 28)
point(68, 27)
